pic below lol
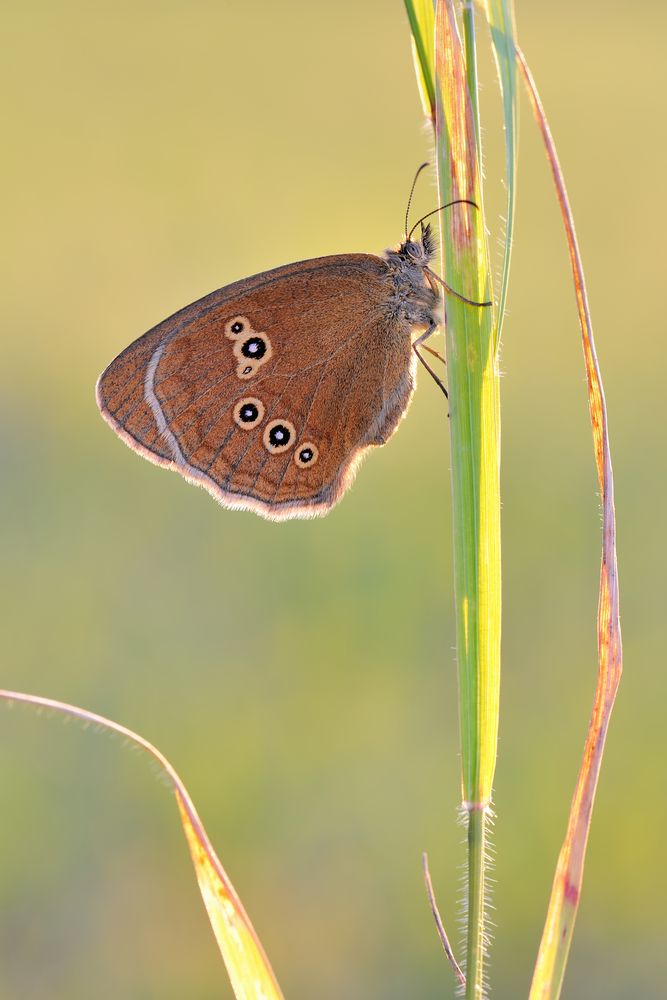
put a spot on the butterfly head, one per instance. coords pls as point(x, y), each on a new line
point(419, 252)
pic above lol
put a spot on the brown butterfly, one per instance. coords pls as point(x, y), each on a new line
point(269, 391)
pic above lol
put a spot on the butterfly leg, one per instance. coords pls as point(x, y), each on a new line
point(432, 327)
point(436, 354)
point(434, 280)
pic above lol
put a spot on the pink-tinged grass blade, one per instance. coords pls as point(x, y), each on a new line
point(566, 889)
point(248, 968)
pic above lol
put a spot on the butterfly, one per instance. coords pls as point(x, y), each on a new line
point(269, 391)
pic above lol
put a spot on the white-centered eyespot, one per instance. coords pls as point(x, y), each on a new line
point(252, 352)
point(248, 413)
point(279, 435)
point(237, 326)
point(306, 454)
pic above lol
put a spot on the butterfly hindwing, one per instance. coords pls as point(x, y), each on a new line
point(267, 391)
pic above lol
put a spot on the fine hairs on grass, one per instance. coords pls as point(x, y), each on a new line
point(444, 37)
point(487, 924)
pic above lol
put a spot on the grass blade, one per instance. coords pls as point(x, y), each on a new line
point(474, 423)
point(422, 23)
point(475, 447)
point(248, 967)
point(566, 889)
point(501, 20)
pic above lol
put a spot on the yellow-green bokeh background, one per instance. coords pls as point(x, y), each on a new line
point(301, 676)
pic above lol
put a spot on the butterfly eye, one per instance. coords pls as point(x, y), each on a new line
point(236, 326)
point(306, 455)
point(248, 413)
point(278, 436)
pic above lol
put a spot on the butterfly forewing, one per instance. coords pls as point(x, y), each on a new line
point(267, 391)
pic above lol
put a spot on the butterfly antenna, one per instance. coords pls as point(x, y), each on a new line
point(459, 201)
point(412, 191)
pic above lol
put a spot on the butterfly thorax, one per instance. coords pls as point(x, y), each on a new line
point(414, 299)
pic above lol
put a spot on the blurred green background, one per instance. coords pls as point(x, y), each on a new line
point(301, 676)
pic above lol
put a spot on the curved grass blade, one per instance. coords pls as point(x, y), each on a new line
point(248, 967)
point(566, 888)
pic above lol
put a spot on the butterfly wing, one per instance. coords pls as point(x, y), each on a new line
point(268, 391)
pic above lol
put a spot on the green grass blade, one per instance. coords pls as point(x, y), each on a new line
point(501, 20)
point(422, 25)
point(474, 423)
point(475, 441)
point(472, 337)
